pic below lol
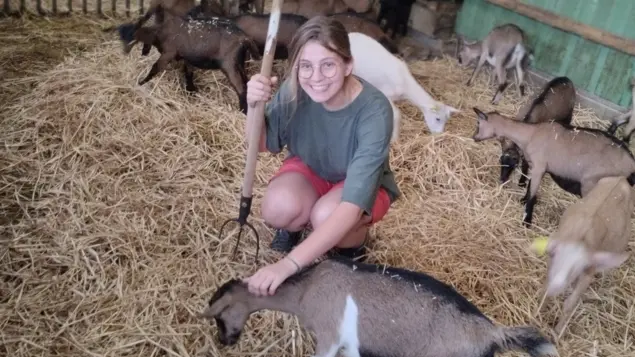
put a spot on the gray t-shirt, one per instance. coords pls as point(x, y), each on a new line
point(352, 143)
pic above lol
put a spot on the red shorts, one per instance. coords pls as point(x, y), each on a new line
point(322, 186)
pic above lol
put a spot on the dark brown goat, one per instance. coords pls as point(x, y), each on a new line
point(555, 102)
point(256, 25)
point(206, 43)
point(354, 22)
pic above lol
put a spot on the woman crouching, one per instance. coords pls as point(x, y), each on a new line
point(337, 129)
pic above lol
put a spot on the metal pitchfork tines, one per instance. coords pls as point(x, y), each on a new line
point(243, 213)
point(255, 118)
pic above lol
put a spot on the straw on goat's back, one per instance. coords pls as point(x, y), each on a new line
point(121, 190)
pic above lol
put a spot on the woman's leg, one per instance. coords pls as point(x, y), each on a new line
point(288, 202)
point(352, 245)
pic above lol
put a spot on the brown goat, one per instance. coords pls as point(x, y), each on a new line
point(592, 237)
point(575, 158)
point(375, 310)
point(503, 48)
point(206, 43)
point(354, 22)
point(555, 102)
point(176, 7)
point(255, 26)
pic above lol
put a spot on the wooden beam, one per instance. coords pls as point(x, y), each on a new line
point(583, 30)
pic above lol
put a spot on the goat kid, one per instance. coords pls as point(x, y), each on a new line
point(554, 103)
point(503, 48)
point(347, 305)
point(396, 13)
point(575, 158)
point(627, 118)
point(592, 237)
point(392, 77)
point(211, 43)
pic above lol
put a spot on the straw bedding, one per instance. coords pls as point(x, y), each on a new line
point(113, 194)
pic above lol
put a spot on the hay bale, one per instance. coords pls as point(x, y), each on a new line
point(113, 194)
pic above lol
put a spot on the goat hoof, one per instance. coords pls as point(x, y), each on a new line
point(612, 129)
point(522, 184)
point(522, 90)
point(191, 89)
point(527, 223)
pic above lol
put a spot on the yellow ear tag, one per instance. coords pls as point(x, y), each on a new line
point(539, 245)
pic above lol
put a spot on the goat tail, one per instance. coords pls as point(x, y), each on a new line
point(631, 179)
point(525, 338)
point(389, 45)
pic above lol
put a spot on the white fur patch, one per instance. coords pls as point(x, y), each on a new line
point(566, 264)
point(349, 338)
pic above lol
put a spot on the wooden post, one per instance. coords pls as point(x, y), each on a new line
point(583, 30)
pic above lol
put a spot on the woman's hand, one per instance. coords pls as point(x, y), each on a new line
point(267, 279)
point(259, 88)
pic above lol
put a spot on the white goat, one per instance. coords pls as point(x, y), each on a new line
point(389, 74)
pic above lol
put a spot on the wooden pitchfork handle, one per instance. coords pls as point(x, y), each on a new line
point(256, 114)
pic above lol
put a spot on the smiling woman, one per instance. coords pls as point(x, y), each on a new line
point(337, 129)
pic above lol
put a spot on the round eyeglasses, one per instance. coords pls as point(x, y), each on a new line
point(328, 69)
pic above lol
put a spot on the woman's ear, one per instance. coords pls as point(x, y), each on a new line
point(349, 67)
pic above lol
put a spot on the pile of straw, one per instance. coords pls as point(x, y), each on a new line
point(113, 194)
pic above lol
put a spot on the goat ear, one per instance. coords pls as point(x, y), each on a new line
point(602, 261)
point(206, 314)
point(480, 114)
point(453, 109)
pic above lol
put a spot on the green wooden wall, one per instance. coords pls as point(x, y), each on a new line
point(597, 69)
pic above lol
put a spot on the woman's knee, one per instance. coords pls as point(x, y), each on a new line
point(325, 206)
point(288, 201)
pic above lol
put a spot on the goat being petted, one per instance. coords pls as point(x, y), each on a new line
point(375, 310)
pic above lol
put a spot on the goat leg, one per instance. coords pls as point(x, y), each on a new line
point(524, 169)
point(146, 49)
point(570, 303)
point(396, 114)
point(501, 75)
point(158, 66)
point(520, 76)
point(235, 73)
point(532, 191)
point(479, 65)
point(189, 77)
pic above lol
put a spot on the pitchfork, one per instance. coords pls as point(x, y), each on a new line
point(255, 117)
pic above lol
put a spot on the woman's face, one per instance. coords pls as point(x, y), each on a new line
point(321, 72)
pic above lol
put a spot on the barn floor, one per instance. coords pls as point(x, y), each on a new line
point(112, 195)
